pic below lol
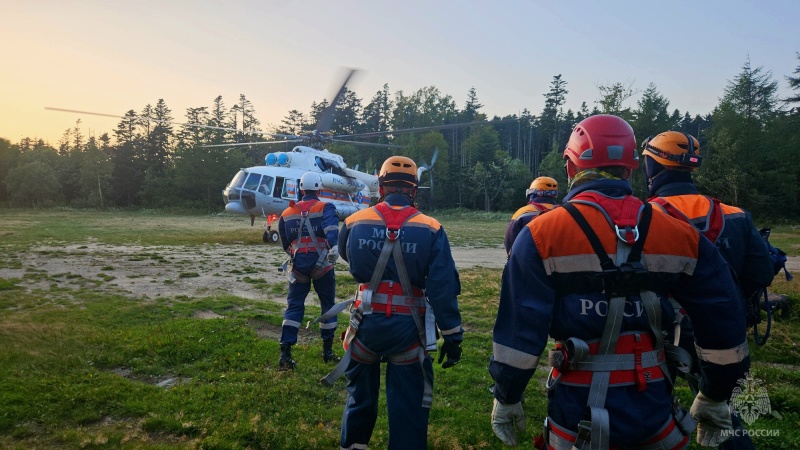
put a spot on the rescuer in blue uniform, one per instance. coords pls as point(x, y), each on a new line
point(309, 233)
point(408, 280)
point(594, 274)
point(669, 159)
point(542, 196)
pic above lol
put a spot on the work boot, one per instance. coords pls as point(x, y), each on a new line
point(327, 351)
point(286, 362)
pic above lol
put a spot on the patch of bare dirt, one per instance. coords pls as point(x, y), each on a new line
point(150, 272)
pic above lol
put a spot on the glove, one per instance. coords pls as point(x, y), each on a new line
point(712, 419)
point(505, 421)
point(333, 254)
point(453, 351)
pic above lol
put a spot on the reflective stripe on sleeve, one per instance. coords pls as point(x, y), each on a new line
point(514, 358)
point(331, 228)
point(451, 330)
point(724, 356)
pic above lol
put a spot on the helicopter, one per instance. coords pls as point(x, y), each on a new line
point(269, 189)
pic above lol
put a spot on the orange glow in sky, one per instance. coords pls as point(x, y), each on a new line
point(112, 56)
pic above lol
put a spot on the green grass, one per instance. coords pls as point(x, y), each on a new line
point(80, 368)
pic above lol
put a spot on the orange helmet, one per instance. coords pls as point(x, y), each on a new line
point(398, 169)
point(674, 150)
point(543, 187)
point(602, 140)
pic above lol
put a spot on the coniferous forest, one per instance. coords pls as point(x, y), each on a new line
point(750, 143)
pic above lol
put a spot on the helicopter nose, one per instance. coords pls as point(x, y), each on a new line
point(235, 208)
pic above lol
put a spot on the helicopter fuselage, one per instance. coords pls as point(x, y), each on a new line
point(266, 190)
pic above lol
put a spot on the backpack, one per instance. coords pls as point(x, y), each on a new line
point(760, 300)
point(778, 256)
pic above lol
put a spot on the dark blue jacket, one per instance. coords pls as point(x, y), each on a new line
point(547, 290)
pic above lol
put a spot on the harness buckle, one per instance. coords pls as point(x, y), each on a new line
point(626, 238)
point(584, 433)
point(392, 235)
point(355, 320)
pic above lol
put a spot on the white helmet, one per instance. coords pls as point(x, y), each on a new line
point(310, 181)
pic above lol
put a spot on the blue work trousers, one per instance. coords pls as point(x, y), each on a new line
point(405, 384)
point(325, 286)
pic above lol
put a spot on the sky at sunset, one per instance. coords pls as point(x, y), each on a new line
point(113, 56)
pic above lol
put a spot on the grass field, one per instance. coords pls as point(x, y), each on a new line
point(91, 368)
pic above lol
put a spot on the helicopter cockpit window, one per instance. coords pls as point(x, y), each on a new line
point(252, 182)
point(238, 179)
point(266, 185)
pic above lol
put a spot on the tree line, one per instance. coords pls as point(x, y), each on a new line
point(750, 143)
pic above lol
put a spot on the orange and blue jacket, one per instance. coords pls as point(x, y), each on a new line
point(521, 218)
point(427, 257)
point(551, 288)
point(739, 242)
point(324, 223)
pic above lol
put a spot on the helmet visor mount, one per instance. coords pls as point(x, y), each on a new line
point(690, 160)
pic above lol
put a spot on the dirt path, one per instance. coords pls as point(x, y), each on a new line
point(166, 271)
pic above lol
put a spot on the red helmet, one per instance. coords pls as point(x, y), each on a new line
point(600, 141)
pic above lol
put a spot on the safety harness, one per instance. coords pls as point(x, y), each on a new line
point(306, 244)
point(714, 224)
point(389, 298)
point(616, 359)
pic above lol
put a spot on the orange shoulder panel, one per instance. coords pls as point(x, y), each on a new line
point(730, 210)
point(317, 207)
point(693, 206)
point(524, 210)
point(671, 236)
point(292, 210)
point(368, 214)
point(557, 234)
point(423, 220)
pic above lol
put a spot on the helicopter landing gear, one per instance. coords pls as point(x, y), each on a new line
point(271, 237)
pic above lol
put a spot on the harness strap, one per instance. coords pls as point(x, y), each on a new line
point(322, 266)
point(671, 436)
point(386, 301)
point(595, 431)
point(715, 219)
point(624, 211)
point(405, 283)
point(350, 334)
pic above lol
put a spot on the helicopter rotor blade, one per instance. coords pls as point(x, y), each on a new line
point(326, 120)
point(430, 128)
point(240, 144)
point(185, 124)
point(368, 144)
